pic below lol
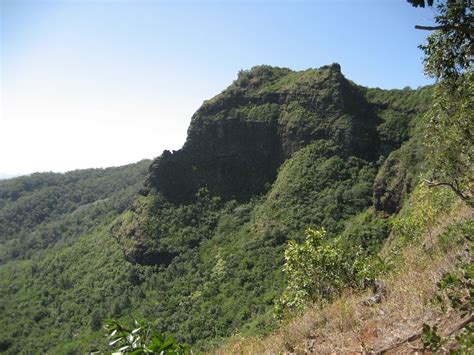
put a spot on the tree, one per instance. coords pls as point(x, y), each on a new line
point(461, 24)
point(450, 123)
point(450, 48)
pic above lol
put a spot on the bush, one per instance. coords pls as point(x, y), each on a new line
point(422, 215)
point(318, 269)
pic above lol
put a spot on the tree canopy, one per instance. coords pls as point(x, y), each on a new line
point(448, 58)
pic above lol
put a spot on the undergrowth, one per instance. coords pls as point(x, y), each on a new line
point(428, 237)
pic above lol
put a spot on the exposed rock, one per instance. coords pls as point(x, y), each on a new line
point(233, 158)
point(397, 176)
point(237, 140)
point(380, 291)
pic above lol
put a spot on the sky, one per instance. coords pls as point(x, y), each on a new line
point(97, 83)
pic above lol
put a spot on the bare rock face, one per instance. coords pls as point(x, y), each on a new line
point(237, 140)
point(389, 188)
point(231, 157)
point(397, 177)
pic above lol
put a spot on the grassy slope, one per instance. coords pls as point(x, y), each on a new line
point(315, 187)
point(419, 254)
point(247, 242)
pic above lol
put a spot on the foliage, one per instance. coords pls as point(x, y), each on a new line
point(166, 230)
point(449, 48)
point(368, 230)
point(45, 209)
point(259, 75)
point(421, 3)
point(456, 289)
point(238, 140)
point(401, 134)
point(430, 338)
point(449, 127)
point(341, 187)
point(422, 214)
point(464, 341)
point(449, 135)
point(457, 234)
point(197, 297)
point(318, 269)
point(211, 265)
point(141, 339)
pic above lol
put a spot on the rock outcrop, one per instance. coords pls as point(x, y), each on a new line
point(236, 148)
point(238, 139)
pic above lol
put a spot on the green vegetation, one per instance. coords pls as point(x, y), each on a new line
point(341, 187)
point(449, 127)
point(42, 210)
point(449, 123)
point(455, 291)
point(141, 339)
point(199, 252)
point(318, 270)
point(414, 258)
point(431, 339)
point(223, 231)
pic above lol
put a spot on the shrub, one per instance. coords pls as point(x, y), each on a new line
point(318, 269)
point(422, 215)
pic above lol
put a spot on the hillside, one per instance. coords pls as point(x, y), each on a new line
point(427, 281)
point(41, 210)
point(309, 134)
point(198, 252)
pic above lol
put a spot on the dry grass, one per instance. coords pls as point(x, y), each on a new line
point(348, 326)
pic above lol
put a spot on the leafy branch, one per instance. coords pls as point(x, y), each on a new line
point(141, 339)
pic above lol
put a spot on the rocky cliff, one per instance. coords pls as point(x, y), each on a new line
point(238, 141)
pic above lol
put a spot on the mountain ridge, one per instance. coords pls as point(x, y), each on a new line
point(251, 106)
point(197, 246)
point(238, 140)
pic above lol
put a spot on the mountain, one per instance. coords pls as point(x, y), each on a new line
point(4, 176)
point(41, 210)
point(197, 246)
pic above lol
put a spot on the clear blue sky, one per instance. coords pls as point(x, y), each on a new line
point(100, 83)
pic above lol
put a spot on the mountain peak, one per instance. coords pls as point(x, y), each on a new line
point(238, 139)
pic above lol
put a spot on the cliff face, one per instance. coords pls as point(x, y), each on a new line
point(238, 139)
point(232, 158)
point(306, 145)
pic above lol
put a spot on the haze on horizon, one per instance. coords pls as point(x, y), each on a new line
point(105, 83)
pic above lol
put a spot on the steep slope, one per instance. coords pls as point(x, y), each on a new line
point(203, 242)
point(40, 210)
point(238, 139)
point(275, 152)
point(428, 281)
point(401, 111)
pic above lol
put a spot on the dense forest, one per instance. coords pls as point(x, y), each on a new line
point(300, 206)
point(42, 210)
point(199, 252)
